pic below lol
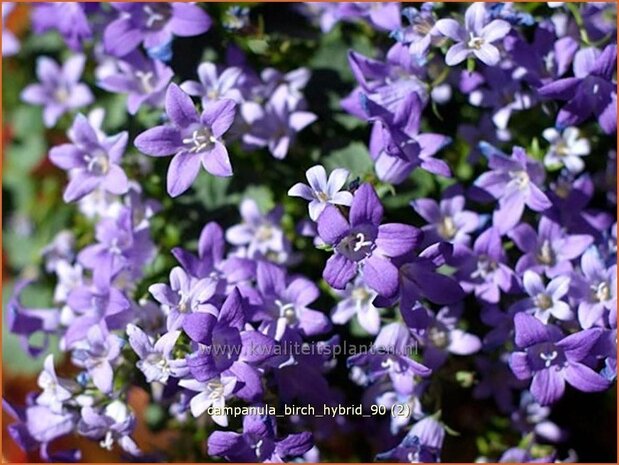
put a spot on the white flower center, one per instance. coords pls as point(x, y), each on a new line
point(61, 94)
point(520, 178)
point(475, 42)
point(146, 81)
point(602, 291)
point(215, 389)
point(548, 358)
point(97, 163)
point(546, 255)
point(446, 228)
point(287, 311)
point(543, 301)
point(264, 232)
point(200, 140)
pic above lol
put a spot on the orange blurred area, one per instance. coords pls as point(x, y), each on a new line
point(19, 19)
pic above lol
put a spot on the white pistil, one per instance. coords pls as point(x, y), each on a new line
point(286, 311)
point(548, 358)
point(146, 81)
point(200, 139)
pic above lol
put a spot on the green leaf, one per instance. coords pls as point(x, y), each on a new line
point(258, 46)
point(211, 191)
point(262, 196)
point(355, 158)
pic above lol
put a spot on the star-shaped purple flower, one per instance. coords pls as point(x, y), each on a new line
point(552, 359)
point(152, 24)
point(515, 181)
point(92, 160)
point(591, 92)
point(361, 241)
point(59, 90)
point(475, 38)
point(192, 139)
point(258, 442)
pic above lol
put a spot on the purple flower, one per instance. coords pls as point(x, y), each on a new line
point(475, 38)
point(391, 357)
point(10, 44)
point(381, 15)
point(515, 182)
point(59, 90)
point(143, 80)
point(484, 270)
point(533, 418)
point(227, 348)
point(550, 250)
point(321, 191)
point(152, 24)
point(184, 295)
point(545, 301)
point(156, 360)
point(92, 160)
point(422, 444)
point(386, 83)
point(275, 124)
point(447, 220)
point(192, 139)
point(214, 85)
point(44, 425)
point(591, 92)
point(595, 289)
point(120, 248)
point(89, 306)
point(97, 353)
point(497, 89)
point(258, 442)
point(361, 241)
point(285, 301)
point(261, 236)
point(396, 145)
point(212, 393)
point(59, 250)
point(566, 149)
point(546, 58)
point(109, 425)
point(551, 359)
point(210, 262)
point(442, 337)
point(420, 279)
point(421, 33)
point(357, 300)
point(56, 391)
point(68, 18)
